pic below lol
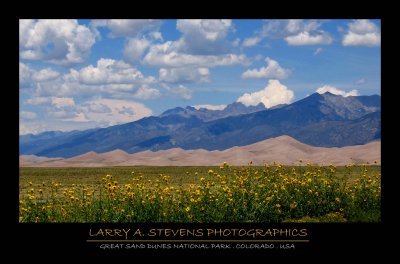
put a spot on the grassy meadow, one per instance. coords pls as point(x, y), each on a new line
point(270, 193)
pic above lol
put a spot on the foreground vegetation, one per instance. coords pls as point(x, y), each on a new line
point(201, 194)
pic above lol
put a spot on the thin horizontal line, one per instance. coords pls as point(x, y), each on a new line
point(198, 241)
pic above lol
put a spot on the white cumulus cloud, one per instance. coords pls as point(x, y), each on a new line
point(127, 27)
point(203, 44)
point(78, 117)
point(27, 115)
point(170, 54)
point(39, 100)
point(34, 79)
point(272, 70)
point(318, 51)
point(182, 92)
point(107, 112)
point(184, 74)
point(362, 32)
point(134, 49)
point(58, 41)
point(97, 112)
point(204, 36)
point(236, 42)
point(144, 92)
point(296, 32)
point(107, 78)
point(336, 91)
point(45, 75)
point(274, 94)
point(25, 75)
point(109, 71)
point(306, 38)
point(156, 35)
point(250, 42)
point(61, 102)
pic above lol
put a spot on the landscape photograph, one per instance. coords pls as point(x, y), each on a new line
point(199, 120)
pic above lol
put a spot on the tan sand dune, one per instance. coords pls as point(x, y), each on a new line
point(283, 149)
point(89, 156)
point(115, 156)
point(29, 160)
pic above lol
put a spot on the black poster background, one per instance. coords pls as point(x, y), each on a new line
point(333, 241)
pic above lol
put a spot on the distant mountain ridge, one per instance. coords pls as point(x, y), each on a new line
point(204, 114)
point(323, 120)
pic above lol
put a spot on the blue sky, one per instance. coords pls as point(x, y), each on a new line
point(79, 74)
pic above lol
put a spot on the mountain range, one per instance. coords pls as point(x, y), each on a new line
point(321, 120)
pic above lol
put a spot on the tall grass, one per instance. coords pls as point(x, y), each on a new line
point(216, 194)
